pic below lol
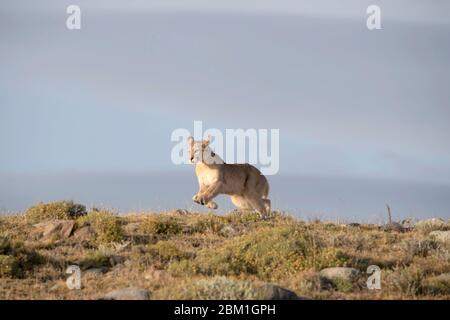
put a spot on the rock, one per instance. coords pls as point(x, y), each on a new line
point(54, 228)
point(131, 293)
point(394, 226)
point(408, 223)
point(54, 288)
point(348, 274)
point(157, 275)
point(115, 260)
point(433, 224)
point(131, 228)
point(443, 277)
point(228, 231)
point(84, 233)
point(97, 271)
point(128, 263)
point(354, 224)
point(181, 212)
point(443, 236)
point(274, 292)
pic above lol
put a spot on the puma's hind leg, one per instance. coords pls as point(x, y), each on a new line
point(211, 205)
point(241, 202)
point(267, 206)
point(257, 204)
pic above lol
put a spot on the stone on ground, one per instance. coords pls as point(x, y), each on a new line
point(344, 273)
point(131, 293)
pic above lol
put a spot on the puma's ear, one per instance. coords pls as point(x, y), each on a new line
point(190, 140)
point(207, 141)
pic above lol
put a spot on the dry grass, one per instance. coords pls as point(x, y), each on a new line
point(187, 255)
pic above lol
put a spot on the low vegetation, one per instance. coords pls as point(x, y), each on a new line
point(183, 255)
point(105, 225)
point(55, 210)
point(16, 260)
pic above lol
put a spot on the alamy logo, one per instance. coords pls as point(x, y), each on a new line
point(374, 19)
point(374, 280)
point(73, 21)
point(74, 280)
point(254, 146)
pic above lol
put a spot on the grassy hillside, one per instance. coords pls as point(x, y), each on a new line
point(184, 255)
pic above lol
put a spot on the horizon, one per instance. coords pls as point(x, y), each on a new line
point(325, 198)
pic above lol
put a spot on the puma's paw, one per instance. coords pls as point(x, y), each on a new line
point(202, 199)
point(196, 198)
point(212, 205)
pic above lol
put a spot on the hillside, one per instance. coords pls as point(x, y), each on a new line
point(184, 255)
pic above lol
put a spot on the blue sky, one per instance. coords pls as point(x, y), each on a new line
point(349, 102)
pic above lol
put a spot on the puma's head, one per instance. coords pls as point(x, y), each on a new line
point(199, 151)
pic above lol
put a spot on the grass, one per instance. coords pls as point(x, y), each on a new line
point(55, 210)
point(269, 253)
point(16, 260)
point(94, 259)
point(207, 256)
point(107, 226)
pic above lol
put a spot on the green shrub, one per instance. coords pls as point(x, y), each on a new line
point(106, 225)
point(9, 266)
point(15, 259)
point(339, 284)
point(209, 223)
point(406, 281)
point(167, 251)
point(437, 285)
point(245, 216)
point(267, 252)
point(420, 248)
point(95, 259)
point(55, 210)
point(217, 288)
point(161, 225)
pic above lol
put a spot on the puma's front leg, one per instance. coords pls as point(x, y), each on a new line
point(197, 198)
point(210, 204)
point(206, 197)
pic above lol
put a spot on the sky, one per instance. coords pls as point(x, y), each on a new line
point(350, 103)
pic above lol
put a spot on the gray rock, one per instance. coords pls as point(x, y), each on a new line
point(274, 292)
point(54, 288)
point(408, 223)
point(131, 228)
point(394, 226)
point(354, 224)
point(115, 260)
point(84, 233)
point(348, 274)
point(97, 271)
point(443, 236)
point(181, 212)
point(131, 293)
point(54, 228)
point(443, 277)
point(228, 231)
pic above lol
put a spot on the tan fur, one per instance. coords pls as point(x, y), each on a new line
point(244, 183)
